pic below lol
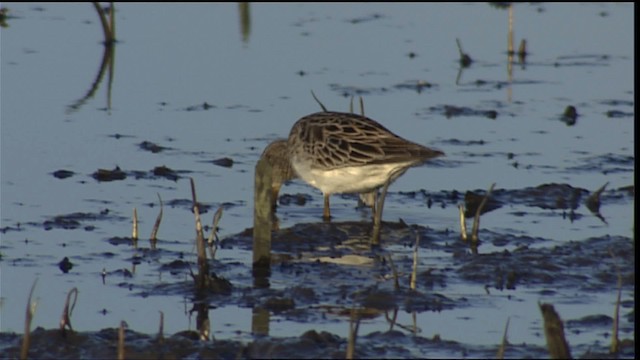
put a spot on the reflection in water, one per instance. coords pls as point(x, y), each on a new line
point(3, 17)
point(262, 218)
point(522, 53)
point(260, 321)
point(465, 60)
point(107, 60)
point(202, 319)
point(245, 21)
point(593, 203)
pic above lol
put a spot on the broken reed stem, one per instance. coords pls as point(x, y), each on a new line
point(353, 334)
point(134, 233)
point(503, 345)
point(414, 272)
point(203, 269)
point(554, 333)
point(123, 325)
point(463, 223)
point(31, 309)
point(396, 283)
point(154, 232)
point(202, 255)
point(615, 340)
point(465, 59)
point(318, 101)
point(361, 105)
point(593, 201)
point(65, 321)
point(476, 219)
point(522, 50)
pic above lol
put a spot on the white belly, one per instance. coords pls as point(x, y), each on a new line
point(355, 179)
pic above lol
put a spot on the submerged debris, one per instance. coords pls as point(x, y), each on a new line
point(149, 146)
point(65, 265)
point(165, 172)
point(570, 115)
point(63, 174)
point(109, 175)
point(224, 162)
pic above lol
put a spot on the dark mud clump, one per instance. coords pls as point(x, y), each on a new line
point(152, 147)
point(109, 175)
point(75, 220)
point(224, 162)
point(165, 172)
point(63, 174)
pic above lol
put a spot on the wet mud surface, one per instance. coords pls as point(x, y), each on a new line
point(51, 344)
point(323, 270)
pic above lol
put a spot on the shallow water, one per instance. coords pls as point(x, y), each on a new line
point(184, 79)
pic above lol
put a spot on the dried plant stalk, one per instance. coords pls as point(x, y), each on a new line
point(414, 272)
point(65, 320)
point(154, 232)
point(353, 334)
point(318, 101)
point(123, 325)
point(134, 234)
point(203, 266)
point(554, 333)
point(396, 283)
point(615, 340)
point(31, 310)
point(476, 219)
point(463, 224)
point(503, 345)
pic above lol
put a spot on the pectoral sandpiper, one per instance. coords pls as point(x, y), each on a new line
point(348, 153)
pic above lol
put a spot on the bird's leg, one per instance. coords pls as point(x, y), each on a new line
point(377, 218)
point(368, 199)
point(326, 212)
point(375, 195)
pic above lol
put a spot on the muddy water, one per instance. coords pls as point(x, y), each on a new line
point(198, 91)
